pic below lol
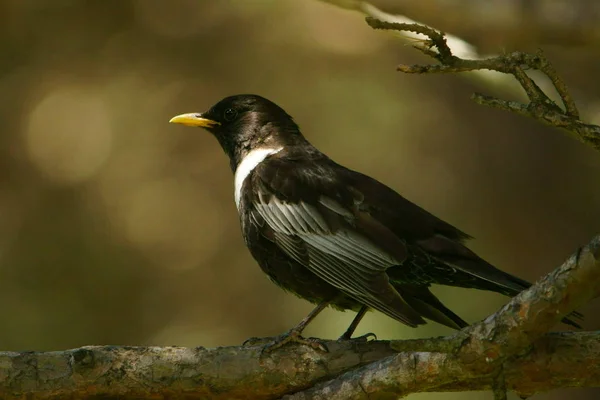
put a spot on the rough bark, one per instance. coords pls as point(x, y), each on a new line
point(541, 369)
point(556, 360)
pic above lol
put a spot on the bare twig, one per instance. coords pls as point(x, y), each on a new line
point(540, 106)
point(459, 46)
point(466, 19)
point(586, 133)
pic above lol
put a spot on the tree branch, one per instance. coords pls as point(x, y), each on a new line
point(523, 23)
point(557, 360)
point(546, 366)
point(540, 106)
point(469, 360)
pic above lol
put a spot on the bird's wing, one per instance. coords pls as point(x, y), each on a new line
point(431, 234)
point(435, 237)
point(330, 240)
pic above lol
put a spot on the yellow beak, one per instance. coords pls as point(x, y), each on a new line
point(194, 119)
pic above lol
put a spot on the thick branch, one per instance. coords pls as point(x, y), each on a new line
point(557, 360)
point(545, 367)
point(534, 311)
point(174, 372)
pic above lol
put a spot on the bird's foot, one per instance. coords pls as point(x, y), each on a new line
point(293, 336)
point(358, 339)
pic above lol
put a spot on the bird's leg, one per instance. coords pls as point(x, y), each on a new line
point(295, 334)
point(350, 331)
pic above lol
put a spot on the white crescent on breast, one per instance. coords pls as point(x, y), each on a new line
point(249, 162)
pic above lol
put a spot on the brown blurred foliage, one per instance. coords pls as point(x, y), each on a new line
point(118, 228)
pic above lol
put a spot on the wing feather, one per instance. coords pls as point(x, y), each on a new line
point(311, 213)
point(342, 257)
point(392, 306)
point(297, 222)
point(273, 219)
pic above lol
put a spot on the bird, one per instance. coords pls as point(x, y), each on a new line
point(334, 236)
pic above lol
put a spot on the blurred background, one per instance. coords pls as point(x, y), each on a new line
point(118, 228)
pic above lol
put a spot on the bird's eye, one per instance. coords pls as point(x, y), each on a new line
point(230, 114)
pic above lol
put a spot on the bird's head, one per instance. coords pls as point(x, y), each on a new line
point(242, 123)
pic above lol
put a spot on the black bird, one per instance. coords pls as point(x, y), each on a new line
point(334, 236)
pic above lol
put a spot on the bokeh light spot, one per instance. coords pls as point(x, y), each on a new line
point(68, 137)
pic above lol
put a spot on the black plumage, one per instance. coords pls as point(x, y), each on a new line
point(334, 236)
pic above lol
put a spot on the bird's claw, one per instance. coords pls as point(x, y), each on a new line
point(295, 337)
point(359, 339)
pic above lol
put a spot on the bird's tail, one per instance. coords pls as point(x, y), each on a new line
point(493, 279)
point(465, 268)
point(424, 302)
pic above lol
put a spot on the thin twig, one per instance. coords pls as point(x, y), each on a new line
point(540, 106)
